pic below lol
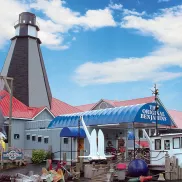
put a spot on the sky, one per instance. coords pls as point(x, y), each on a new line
point(107, 49)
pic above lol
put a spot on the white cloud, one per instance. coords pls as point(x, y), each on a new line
point(63, 19)
point(9, 11)
point(166, 26)
point(151, 67)
point(115, 6)
point(160, 1)
point(96, 19)
point(67, 18)
point(58, 21)
point(132, 12)
point(50, 35)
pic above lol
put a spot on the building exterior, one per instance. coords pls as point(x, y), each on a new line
point(33, 106)
point(30, 127)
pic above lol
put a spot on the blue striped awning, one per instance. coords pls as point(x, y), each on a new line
point(140, 113)
point(72, 132)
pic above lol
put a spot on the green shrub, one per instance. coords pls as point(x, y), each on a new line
point(38, 156)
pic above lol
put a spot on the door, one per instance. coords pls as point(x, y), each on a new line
point(80, 145)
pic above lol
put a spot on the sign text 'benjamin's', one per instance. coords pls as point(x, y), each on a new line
point(150, 114)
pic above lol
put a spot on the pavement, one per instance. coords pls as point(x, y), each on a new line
point(24, 170)
point(37, 169)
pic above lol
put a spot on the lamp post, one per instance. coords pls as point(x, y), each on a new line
point(156, 93)
point(79, 135)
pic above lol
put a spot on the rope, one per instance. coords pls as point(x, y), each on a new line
point(152, 160)
point(154, 175)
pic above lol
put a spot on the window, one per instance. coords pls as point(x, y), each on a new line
point(28, 137)
point(176, 143)
point(16, 136)
point(166, 144)
point(140, 134)
point(65, 140)
point(157, 144)
point(152, 132)
point(39, 138)
point(46, 140)
point(33, 137)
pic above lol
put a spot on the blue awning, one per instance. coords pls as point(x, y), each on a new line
point(72, 132)
point(140, 113)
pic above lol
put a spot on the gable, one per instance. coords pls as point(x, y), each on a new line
point(102, 105)
point(44, 115)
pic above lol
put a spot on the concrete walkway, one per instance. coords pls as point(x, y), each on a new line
point(24, 170)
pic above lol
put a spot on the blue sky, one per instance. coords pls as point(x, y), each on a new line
point(105, 49)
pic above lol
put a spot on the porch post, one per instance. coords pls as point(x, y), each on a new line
point(134, 137)
point(60, 148)
point(126, 144)
point(71, 151)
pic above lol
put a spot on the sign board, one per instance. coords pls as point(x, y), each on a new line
point(12, 155)
point(148, 114)
point(151, 114)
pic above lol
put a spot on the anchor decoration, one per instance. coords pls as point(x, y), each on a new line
point(96, 151)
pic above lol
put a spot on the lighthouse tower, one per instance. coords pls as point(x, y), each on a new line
point(25, 64)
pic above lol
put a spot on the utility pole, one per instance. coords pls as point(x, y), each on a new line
point(10, 90)
point(156, 93)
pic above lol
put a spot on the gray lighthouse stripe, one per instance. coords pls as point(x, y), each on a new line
point(37, 89)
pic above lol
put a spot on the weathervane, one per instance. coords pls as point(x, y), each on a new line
point(156, 93)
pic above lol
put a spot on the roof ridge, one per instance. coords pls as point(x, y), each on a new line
point(135, 99)
point(114, 101)
point(174, 110)
point(85, 104)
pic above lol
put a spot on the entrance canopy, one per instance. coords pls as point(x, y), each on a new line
point(72, 132)
point(142, 115)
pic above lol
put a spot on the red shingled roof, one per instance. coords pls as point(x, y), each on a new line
point(58, 107)
point(86, 107)
point(134, 101)
point(20, 110)
point(114, 103)
point(177, 117)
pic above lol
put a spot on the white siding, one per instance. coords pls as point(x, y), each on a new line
point(44, 115)
point(32, 31)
